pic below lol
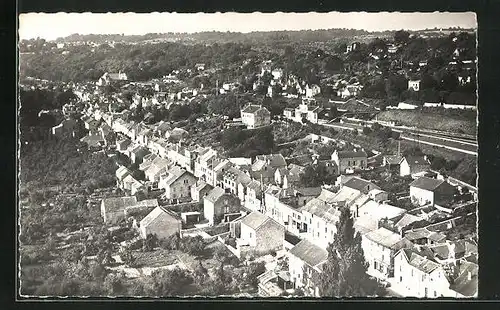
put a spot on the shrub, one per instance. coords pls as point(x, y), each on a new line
point(193, 245)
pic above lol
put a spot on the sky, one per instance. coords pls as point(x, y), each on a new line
point(54, 25)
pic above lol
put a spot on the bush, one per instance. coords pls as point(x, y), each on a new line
point(193, 245)
point(171, 243)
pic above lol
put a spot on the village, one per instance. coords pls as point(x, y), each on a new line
point(185, 202)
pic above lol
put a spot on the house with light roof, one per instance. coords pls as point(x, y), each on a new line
point(160, 222)
point(379, 247)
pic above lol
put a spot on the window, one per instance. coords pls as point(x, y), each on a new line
point(326, 230)
point(435, 294)
point(250, 234)
point(412, 272)
point(423, 277)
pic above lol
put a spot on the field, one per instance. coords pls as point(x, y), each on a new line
point(433, 121)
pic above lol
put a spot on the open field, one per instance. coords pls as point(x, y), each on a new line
point(428, 120)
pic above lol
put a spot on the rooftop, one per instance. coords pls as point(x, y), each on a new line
point(118, 203)
point(427, 183)
point(309, 253)
point(384, 237)
point(255, 219)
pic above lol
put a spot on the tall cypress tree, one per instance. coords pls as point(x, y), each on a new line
point(344, 273)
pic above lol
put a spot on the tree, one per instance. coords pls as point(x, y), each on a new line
point(165, 282)
point(401, 37)
point(200, 274)
point(344, 273)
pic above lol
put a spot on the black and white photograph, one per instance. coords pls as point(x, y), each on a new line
point(247, 155)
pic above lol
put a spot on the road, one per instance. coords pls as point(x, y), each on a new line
point(439, 140)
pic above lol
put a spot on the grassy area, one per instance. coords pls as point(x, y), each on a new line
point(156, 258)
point(432, 120)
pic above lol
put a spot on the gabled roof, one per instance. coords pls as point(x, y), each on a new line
point(360, 184)
point(251, 108)
point(215, 194)
point(351, 154)
point(462, 284)
point(255, 185)
point(237, 175)
point(173, 174)
point(319, 208)
point(384, 237)
point(118, 203)
point(156, 213)
point(415, 160)
point(275, 161)
point(201, 185)
point(309, 191)
point(122, 172)
point(422, 263)
point(406, 220)
point(309, 253)
point(426, 183)
point(255, 219)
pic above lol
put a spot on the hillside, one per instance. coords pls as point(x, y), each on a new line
point(430, 120)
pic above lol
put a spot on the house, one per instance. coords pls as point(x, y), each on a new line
point(465, 285)
point(137, 154)
point(236, 181)
point(260, 234)
point(66, 127)
point(426, 190)
point(319, 219)
point(349, 91)
point(361, 185)
point(304, 260)
point(392, 161)
point(288, 113)
point(162, 129)
point(253, 196)
point(141, 206)
point(160, 222)
point(414, 85)
point(277, 74)
point(94, 141)
point(199, 67)
point(254, 116)
point(218, 203)
point(351, 47)
point(312, 91)
point(108, 78)
point(411, 165)
point(292, 177)
point(368, 215)
point(200, 190)
point(121, 173)
point(307, 111)
point(419, 275)
point(423, 236)
point(264, 167)
point(379, 247)
point(158, 167)
point(132, 185)
point(391, 48)
point(177, 183)
point(112, 209)
point(350, 160)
